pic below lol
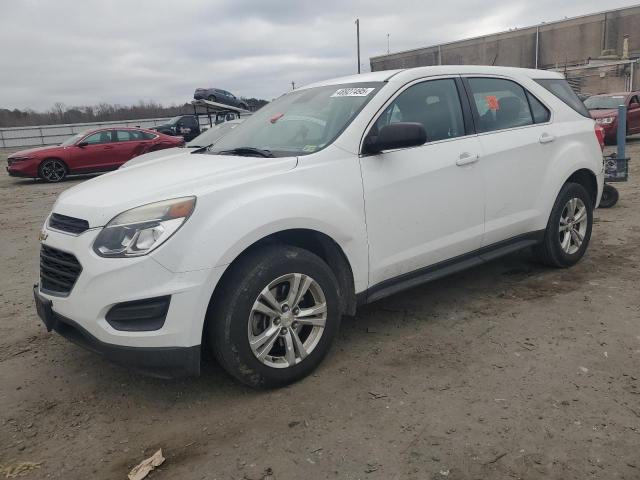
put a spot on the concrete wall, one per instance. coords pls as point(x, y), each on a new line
point(566, 42)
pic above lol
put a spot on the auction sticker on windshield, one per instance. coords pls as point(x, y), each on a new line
point(353, 92)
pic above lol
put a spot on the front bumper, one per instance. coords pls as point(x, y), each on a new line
point(23, 168)
point(105, 282)
point(161, 362)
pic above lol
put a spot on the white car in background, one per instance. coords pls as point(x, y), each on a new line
point(334, 195)
point(204, 140)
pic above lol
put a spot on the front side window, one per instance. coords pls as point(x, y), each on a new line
point(98, 137)
point(300, 122)
point(434, 103)
point(634, 103)
point(499, 104)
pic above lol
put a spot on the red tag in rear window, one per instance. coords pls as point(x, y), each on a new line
point(492, 102)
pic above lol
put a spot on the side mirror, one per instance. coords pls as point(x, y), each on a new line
point(83, 144)
point(396, 135)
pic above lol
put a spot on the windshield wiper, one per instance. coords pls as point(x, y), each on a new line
point(247, 151)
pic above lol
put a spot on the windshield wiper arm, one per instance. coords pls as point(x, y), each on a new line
point(247, 151)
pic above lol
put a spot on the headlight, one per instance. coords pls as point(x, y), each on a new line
point(19, 159)
point(605, 120)
point(143, 229)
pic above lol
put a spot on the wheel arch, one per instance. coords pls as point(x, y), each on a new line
point(319, 244)
point(587, 178)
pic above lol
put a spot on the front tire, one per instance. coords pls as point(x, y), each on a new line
point(275, 316)
point(52, 170)
point(568, 231)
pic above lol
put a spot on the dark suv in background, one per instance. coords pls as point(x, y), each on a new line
point(220, 96)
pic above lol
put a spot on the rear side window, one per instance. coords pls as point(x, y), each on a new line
point(540, 113)
point(499, 104)
point(561, 89)
point(147, 135)
point(123, 135)
point(435, 104)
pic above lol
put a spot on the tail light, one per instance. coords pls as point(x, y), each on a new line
point(599, 135)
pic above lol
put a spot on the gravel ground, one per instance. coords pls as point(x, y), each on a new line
point(509, 370)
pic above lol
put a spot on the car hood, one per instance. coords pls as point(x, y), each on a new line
point(603, 113)
point(100, 199)
point(32, 151)
point(165, 153)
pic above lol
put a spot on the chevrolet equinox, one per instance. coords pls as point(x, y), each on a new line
point(334, 195)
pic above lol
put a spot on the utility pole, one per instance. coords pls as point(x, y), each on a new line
point(358, 41)
point(387, 44)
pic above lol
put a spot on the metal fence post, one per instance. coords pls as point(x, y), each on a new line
point(621, 136)
point(2, 138)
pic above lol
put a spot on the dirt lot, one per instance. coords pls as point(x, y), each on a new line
point(509, 370)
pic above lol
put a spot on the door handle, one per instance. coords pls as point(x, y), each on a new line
point(467, 158)
point(108, 147)
point(546, 138)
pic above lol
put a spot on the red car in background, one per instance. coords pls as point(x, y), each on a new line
point(88, 152)
point(604, 110)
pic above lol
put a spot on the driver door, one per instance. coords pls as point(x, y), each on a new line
point(95, 154)
point(424, 205)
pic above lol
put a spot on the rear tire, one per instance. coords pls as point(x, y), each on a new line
point(266, 332)
point(211, 98)
point(568, 231)
point(609, 197)
point(53, 170)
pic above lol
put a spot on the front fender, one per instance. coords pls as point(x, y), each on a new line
point(226, 224)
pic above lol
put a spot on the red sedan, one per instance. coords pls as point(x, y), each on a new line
point(93, 151)
point(604, 110)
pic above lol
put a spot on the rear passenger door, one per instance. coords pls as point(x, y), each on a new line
point(424, 204)
point(129, 144)
point(518, 146)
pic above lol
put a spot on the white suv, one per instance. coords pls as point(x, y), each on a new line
point(334, 195)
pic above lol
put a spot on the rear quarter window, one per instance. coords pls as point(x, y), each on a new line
point(561, 89)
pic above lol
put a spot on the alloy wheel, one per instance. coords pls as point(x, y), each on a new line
point(573, 225)
point(287, 320)
point(53, 170)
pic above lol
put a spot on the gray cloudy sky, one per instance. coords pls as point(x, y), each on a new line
point(84, 52)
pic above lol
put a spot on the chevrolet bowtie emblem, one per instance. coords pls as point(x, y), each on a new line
point(43, 236)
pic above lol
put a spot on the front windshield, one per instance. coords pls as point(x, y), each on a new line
point(71, 140)
point(301, 122)
point(597, 103)
point(212, 135)
point(174, 120)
